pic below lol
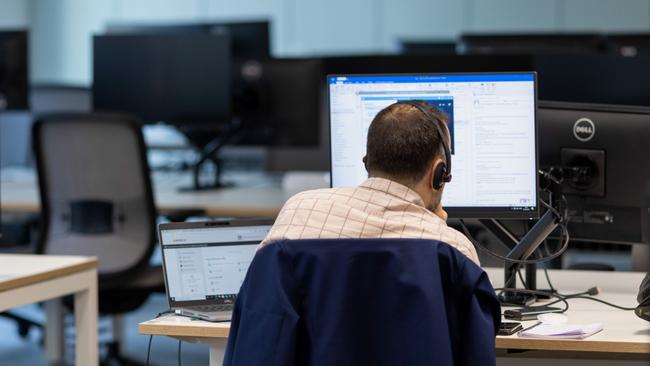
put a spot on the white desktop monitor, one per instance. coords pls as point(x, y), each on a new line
point(493, 135)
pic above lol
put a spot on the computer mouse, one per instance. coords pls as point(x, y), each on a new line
point(552, 318)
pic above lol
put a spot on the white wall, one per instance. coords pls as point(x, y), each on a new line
point(13, 14)
point(62, 29)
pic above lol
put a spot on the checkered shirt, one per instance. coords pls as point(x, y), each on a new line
point(378, 208)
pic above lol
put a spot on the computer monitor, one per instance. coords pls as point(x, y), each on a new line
point(493, 131)
point(607, 201)
point(531, 43)
point(249, 39)
point(629, 44)
point(181, 79)
point(277, 102)
point(602, 79)
point(14, 84)
point(428, 47)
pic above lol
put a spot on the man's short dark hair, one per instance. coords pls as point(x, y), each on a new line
point(402, 141)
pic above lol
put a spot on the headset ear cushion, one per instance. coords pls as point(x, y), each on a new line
point(438, 175)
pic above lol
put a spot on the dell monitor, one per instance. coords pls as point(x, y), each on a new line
point(601, 149)
point(181, 79)
point(14, 85)
point(491, 118)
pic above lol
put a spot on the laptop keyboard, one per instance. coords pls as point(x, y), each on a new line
point(214, 308)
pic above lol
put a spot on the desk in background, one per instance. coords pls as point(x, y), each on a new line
point(26, 279)
point(624, 341)
point(256, 196)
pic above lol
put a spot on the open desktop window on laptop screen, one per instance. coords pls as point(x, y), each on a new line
point(493, 135)
point(208, 263)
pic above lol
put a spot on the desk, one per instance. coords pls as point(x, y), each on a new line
point(19, 194)
point(625, 339)
point(26, 279)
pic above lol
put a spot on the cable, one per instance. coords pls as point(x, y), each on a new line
point(179, 352)
point(534, 292)
point(151, 335)
point(548, 279)
point(149, 348)
point(603, 302)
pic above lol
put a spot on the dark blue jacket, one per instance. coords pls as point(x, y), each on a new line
point(363, 302)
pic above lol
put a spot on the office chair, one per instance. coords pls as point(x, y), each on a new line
point(97, 200)
point(363, 302)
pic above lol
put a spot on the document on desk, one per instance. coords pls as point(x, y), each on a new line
point(562, 331)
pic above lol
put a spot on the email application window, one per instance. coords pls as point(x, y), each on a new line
point(491, 118)
point(202, 264)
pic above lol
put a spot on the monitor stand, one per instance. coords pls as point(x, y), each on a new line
point(209, 153)
point(522, 250)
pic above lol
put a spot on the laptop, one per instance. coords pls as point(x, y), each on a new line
point(204, 264)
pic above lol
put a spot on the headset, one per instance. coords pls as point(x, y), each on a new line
point(442, 174)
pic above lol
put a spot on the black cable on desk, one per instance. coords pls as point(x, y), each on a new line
point(179, 352)
point(149, 348)
point(168, 311)
point(586, 295)
point(533, 292)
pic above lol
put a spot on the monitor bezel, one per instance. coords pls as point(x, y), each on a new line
point(462, 212)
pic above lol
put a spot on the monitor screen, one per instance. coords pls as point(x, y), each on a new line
point(183, 79)
point(208, 263)
point(493, 135)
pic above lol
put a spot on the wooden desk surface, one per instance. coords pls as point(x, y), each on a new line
point(17, 270)
point(624, 332)
point(21, 196)
point(182, 326)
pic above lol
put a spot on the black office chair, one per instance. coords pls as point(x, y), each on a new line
point(97, 200)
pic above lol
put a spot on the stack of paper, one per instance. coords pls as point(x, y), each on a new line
point(562, 331)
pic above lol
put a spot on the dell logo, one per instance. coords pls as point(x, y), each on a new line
point(584, 129)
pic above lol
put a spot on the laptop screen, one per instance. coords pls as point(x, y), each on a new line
point(208, 263)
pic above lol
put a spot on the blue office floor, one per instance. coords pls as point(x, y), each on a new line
point(16, 351)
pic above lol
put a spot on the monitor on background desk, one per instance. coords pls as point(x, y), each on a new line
point(531, 43)
point(14, 78)
point(181, 79)
point(249, 39)
point(492, 124)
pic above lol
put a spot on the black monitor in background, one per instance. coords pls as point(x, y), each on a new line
point(14, 78)
point(249, 39)
point(425, 64)
point(180, 79)
point(629, 45)
point(602, 79)
point(530, 44)
point(432, 47)
point(602, 150)
point(277, 102)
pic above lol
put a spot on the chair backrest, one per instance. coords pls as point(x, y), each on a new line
point(364, 302)
point(95, 190)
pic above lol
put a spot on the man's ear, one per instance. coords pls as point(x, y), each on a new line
point(365, 162)
point(432, 172)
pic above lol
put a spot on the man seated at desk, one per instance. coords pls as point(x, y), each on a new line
point(406, 159)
